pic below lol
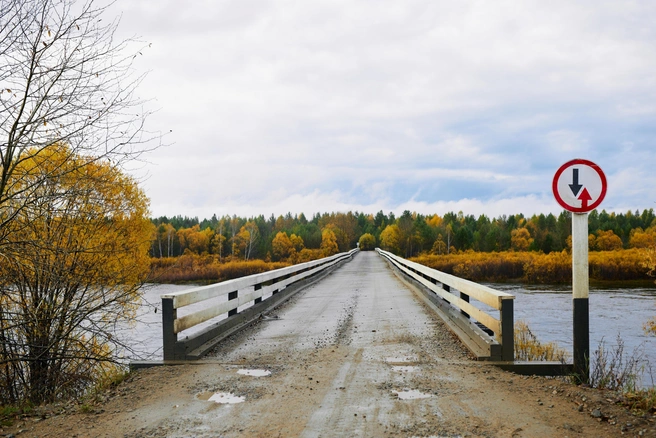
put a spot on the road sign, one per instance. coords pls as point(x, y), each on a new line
point(579, 186)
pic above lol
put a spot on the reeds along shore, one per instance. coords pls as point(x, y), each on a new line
point(536, 267)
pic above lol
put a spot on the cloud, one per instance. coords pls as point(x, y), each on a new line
point(333, 105)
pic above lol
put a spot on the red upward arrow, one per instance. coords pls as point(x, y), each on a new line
point(585, 198)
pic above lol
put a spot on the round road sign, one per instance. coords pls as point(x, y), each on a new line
point(579, 186)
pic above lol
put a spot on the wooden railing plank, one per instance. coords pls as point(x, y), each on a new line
point(245, 290)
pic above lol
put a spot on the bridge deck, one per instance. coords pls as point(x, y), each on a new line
point(344, 354)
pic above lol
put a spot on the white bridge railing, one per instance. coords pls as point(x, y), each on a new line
point(258, 292)
point(501, 345)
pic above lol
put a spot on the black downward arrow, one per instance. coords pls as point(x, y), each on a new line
point(575, 186)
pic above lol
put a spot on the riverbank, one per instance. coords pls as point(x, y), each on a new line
point(539, 268)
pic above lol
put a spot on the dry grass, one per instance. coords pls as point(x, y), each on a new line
point(536, 267)
point(529, 348)
point(195, 268)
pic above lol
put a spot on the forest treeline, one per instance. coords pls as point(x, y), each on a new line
point(209, 244)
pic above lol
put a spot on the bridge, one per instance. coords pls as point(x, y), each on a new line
point(358, 344)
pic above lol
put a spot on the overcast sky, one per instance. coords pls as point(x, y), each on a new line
point(430, 106)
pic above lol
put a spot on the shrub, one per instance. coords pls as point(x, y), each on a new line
point(529, 348)
point(611, 369)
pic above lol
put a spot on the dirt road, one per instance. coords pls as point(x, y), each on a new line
point(357, 354)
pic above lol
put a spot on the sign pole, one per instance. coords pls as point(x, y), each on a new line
point(580, 294)
point(579, 186)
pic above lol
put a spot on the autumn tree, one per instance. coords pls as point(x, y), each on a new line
point(195, 240)
point(367, 242)
point(64, 79)
point(218, 244)
point(329, 242)
point(640, 238)
point(73, 262)
point(297, 242)
point(439, 247)
point(520, 239)
point(250, 234)
point(164, 240)
point(390, 239)
point(282, 246)
point(607, 241)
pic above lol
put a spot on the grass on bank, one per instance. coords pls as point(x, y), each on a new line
point(611, 367)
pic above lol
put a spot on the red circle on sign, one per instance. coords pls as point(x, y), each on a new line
point(584, 208)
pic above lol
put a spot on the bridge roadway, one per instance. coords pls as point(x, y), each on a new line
point(344, 355)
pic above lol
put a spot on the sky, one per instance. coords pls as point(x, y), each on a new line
point(431, 106)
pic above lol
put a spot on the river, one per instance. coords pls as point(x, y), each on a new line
point(546, 309)
point(613, 311)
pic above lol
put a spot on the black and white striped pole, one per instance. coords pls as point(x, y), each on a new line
point(579, 186)
point(580, 296)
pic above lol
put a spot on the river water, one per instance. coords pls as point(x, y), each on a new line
point(613, 311)
point(546, 309)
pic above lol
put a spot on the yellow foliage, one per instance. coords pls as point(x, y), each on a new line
point(607, 241)
point(529, 348)
point(439, 247)
point(282, 246)
point(520, 239)
point(297, 242)
point(367, 242)
point(434, 221)
point(192, 267)
point(643, 239)
point(390, 238)
point(329, 242)
point(535, 267)
point(74, 260)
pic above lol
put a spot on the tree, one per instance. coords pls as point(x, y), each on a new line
point(642, 239)
point(65, 81)
point(73, 261)
point(329, 242)
point(282, 246)
point(367, 242)
point(439, 247)
point(390, 239)
point(251, 237)
point(607, 241)
point(520, 239)
point(297, 242)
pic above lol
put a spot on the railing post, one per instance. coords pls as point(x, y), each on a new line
point(232, 296)
point(170, 338)
point(465, 298)
point(507, 330)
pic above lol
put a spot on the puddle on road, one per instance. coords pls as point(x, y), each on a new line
point(411, 395)
point(224, 398)
point(403, 359)
point(255, 373)
point(404, 368)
